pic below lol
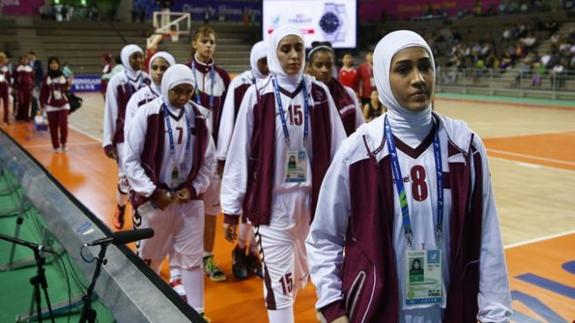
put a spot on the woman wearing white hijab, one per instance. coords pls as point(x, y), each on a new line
point(169, 163)
point(158, 65)
point(236, 91)
point(286, 133)
point(242, 264)
point(445, 219)
point(120, 89)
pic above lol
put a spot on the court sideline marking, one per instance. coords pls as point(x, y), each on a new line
point(553, 236)
point(551, 160)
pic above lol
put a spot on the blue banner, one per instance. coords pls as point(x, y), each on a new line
point(147, 6)
point(86, 83)
point(215, 10)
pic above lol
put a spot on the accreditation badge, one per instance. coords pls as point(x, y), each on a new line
point(296, 166)
point(2, 78)
point(57, 95)
point(423, 279)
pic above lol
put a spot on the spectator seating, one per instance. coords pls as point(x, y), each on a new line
point(82, 44)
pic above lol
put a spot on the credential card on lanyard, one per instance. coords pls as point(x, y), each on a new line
point(423, 278)
point(175, 172)
point(296, 166)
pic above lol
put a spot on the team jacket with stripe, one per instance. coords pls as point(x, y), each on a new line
point(138, 99)
point(347, 105)
point(119, 91)
point(358, 214)
point(234, 96)
point(148, 154)
point(24, 77)
point(255, 167)
point(53, 93)
point(216, 89)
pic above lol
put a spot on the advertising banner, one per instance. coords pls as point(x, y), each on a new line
point(372, 10)
point(86, 83)
point(21, 7)
point(319, 20)
point(215, 10)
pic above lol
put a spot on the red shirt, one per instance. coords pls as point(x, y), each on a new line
point(349, 77)
point(149, 53)
point(365, 72)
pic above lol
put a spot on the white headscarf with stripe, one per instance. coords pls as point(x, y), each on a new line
point(289, 82)
point(175, 75)
point(410, 126)
point(259, 51)
point(165, 56)
point(125, 54)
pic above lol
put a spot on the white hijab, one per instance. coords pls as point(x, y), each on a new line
point(125, 54)
point(288, 82)
point(165, 56)
point(175, 75)
point(411, 127)
point(259, 51)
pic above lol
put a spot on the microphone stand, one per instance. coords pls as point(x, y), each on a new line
point(40, 279)
point(88, 313)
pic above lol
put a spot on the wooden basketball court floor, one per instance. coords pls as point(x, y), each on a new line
point(532, 159)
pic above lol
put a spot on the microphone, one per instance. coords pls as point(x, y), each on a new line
point(31, 245)
point(123, 237)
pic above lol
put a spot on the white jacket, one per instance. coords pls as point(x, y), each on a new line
point(326, 239)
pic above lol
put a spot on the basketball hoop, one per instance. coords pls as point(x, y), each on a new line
point(166, 27)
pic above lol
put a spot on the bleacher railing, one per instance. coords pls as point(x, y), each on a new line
point(511, 82)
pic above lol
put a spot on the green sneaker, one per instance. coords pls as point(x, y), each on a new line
point(212, 270)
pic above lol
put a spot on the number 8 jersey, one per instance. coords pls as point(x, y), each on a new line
point(418, 169)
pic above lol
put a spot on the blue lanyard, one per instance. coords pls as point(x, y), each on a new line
point(211, 95)
point(171, 135)
point(398, 179)
point(282, 113)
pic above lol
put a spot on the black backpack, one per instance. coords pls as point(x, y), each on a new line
point(75, 101)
